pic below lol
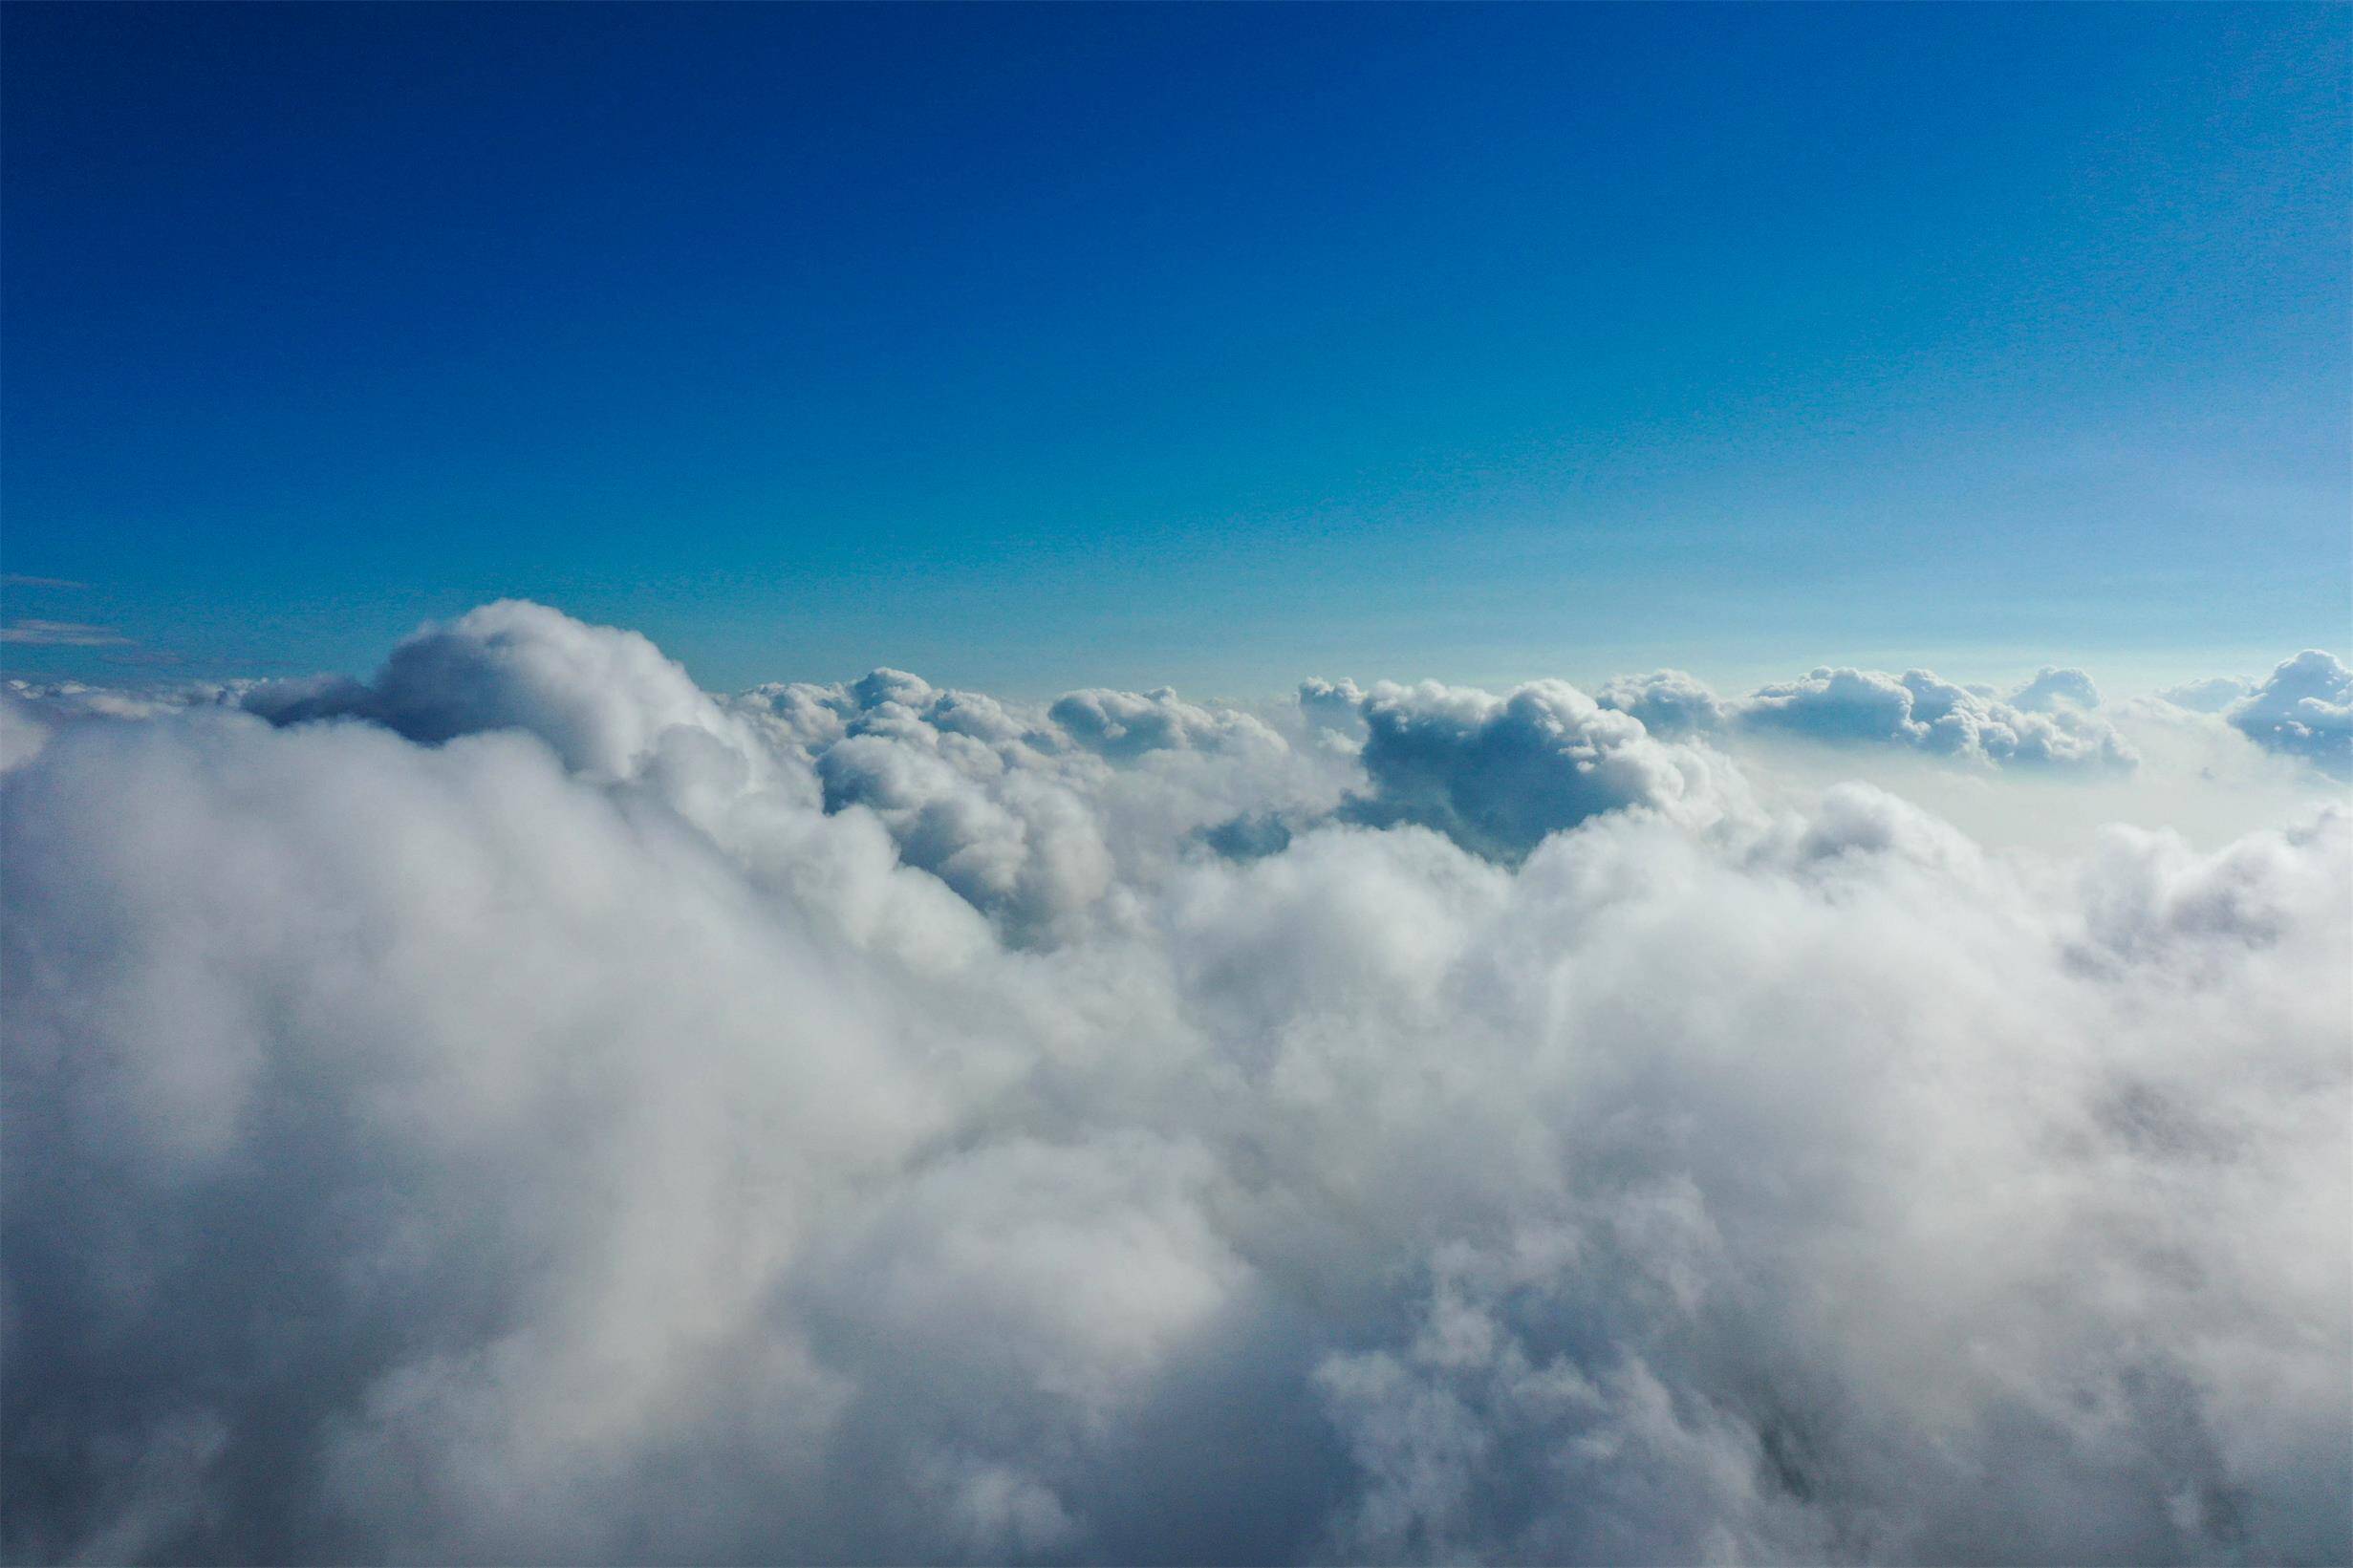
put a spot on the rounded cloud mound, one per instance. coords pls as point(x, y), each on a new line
point(1128, 724)
point(1667, 702)
point(1498, 774)
point(2052, 689)
point(601, 697)
point(2304, 709)
point(1027, 814)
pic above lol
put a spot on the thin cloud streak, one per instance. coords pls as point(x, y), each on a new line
point(31, 632)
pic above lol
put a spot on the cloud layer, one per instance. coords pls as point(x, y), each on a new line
point(521, 1107)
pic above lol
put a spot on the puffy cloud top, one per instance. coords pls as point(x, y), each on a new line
point(1025, 811)
point(1667, 702)
point(1918, 710)
point(601, 697)
point(2055, 688)
point(2304, 709)
point(2046, 722)
point(1127, 724)
point(1498, 774)
point(1337, 702)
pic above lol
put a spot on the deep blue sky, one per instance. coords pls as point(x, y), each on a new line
point(1221, 345)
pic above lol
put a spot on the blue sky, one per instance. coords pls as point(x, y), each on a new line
point(1038, 347)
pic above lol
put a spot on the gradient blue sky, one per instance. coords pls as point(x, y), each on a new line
point(1029, 348)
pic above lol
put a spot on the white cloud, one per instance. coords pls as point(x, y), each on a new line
point(31, 711)
point(601, 697)
point(2304, 709)
point(1667, 702)
point(1933, 715)
point(2052, 689)
point(1127, 724)
point(2046, 722)
point(547, 1112)
point(1498, 774)
point(2211, 694)
point(31, 632)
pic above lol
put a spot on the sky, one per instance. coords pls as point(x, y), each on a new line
point(1753, 969)
point(1217, 346)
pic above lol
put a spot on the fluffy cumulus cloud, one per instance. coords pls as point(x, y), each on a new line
point(1497, 775)
point(2054, 689)
point(521, 1107)
point(602, 698)
point(2304, 709)
point(2046, 722)
point(1126, 725)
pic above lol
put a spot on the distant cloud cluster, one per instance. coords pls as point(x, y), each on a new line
point(2049, 722)
point(520, 1106)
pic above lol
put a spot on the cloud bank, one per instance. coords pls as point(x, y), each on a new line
point(2048, 722)
point(520, 1107)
